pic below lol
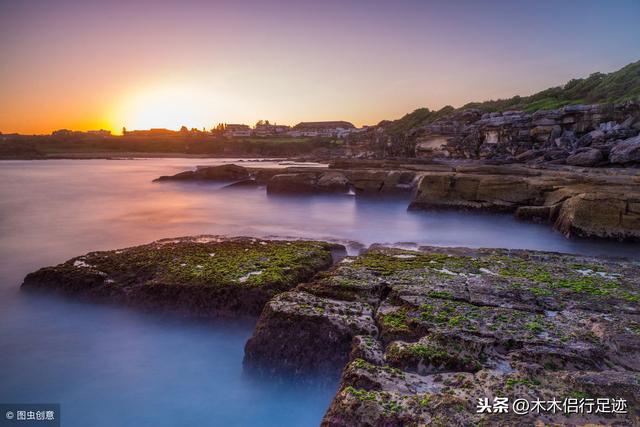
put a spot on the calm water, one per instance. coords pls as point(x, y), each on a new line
point(116, 367)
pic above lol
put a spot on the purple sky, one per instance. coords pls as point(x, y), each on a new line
point(91, 64)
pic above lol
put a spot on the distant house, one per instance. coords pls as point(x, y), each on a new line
point(235, 130)
point(267, 129)
point(328, 129)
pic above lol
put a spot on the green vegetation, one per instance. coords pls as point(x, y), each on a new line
point(392, 262)
point(566, 279)
point(248, 264)
point(83, 145)
point(419, 117)
point(540, 292)
point(618, 86)
point(396, 320)
point(535, 327)
point(361, 394)
point(424, 402)
point(428, 352)
point(453, 313)
point(512, 382)
point(440, 294)
point(241, 262)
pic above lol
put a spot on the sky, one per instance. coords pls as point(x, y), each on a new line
point(139, 64)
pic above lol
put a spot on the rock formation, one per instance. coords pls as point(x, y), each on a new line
point(584, 202)
point(207, 276)
point(428, 334)
point(422, 337)
point(582, 135)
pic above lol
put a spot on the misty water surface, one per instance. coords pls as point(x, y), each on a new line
point(109, 366)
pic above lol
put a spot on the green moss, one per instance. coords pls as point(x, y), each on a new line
point(362, 394)
point(540, 292)
point(440, 294)
point(392, 407)
point(245, 264)
point(396, 319)
point(529, 382)
point(583, 266)
point(424, 402)
point(570, 280)
point(452, 313)
point(428, 352)
point(361, 363)
point(631, 297)
point(392, 262)
point(535, 327)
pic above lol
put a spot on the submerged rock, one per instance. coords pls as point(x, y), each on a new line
point(198, 276)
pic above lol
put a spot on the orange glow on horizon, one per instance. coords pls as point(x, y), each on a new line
point(169, 106)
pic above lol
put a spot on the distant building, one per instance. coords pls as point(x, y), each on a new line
point(235, 130)
point(337, 129)
point(152, 132)
point(100, 132)
point(267, 129)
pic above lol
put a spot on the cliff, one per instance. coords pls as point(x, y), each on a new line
point(586, 122)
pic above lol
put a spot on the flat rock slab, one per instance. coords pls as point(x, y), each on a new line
point(206, 276)
point(435, 330)
point(210, 173)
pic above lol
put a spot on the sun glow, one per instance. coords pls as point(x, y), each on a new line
point(167, 106)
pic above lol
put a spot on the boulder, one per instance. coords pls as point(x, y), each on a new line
point(376, 182)
point(308, 183)
point(293, 183)
point(211, 173)
point(300, 334)
point(590, 138)
point(601, 214)
point(625, 152)
point(585, 157)
point(333, 182)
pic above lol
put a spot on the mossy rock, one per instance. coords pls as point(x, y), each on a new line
point(198, 276)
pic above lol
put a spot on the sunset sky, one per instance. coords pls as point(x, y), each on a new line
point(140, 64)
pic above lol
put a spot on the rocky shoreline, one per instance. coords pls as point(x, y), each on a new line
point(581, 202)
point(418, 336)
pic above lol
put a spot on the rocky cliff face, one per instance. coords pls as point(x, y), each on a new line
point(580, 135)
